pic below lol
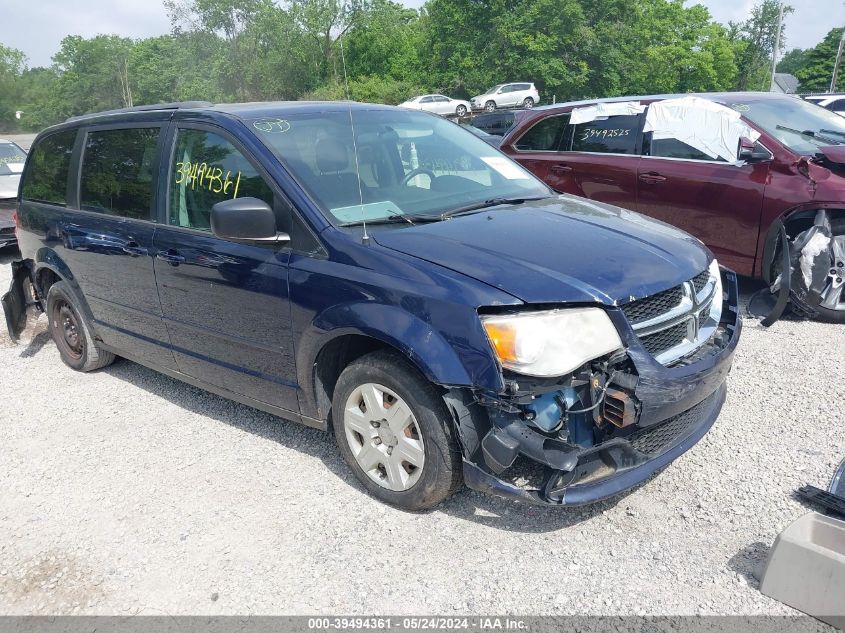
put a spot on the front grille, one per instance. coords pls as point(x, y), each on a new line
point(700, 280)
point(664, 340)
point(657, 439)
point(654, 305)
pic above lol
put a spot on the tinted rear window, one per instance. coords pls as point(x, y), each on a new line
point(613, 135)
point(46, 176)
point(117, 172)
point(546, 136)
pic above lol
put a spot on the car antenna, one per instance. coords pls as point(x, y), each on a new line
point(365, 238)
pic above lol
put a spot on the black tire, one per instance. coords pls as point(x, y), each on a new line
point(837, 227)
point(528, 103)
point(490, 106)
point(461, 111)
point(442, 471)
point(71, 332)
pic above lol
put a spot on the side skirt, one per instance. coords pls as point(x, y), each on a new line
point(290, 416)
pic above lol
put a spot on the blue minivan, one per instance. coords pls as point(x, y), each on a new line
point(387, 275)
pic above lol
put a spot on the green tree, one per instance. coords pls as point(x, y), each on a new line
point(792, 61)
point(754, 42)
point(12, 66)
point(817, 70)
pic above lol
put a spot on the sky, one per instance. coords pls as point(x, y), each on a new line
point(37, 26)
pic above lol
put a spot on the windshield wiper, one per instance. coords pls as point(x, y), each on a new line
point(823, 131)
point(395, 219)
point(811, 134)
point(486, 204)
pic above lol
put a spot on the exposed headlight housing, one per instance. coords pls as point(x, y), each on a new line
point(551, 342)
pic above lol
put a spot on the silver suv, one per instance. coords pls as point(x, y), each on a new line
point(507, 96)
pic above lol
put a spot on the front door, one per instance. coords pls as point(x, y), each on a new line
point(225, 303)
point(107, 244)
point(718, 202)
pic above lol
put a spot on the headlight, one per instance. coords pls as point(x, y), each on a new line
point(553, 342)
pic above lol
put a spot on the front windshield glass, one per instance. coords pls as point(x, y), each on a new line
point(494, 89)
point(803, 127)
point(408, 164)
point(11, 153)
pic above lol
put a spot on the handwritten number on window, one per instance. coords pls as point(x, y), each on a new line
point(207, 177)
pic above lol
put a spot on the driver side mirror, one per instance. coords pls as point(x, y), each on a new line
point(751, 151)
point(248, 219)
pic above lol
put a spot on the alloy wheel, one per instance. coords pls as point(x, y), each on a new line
point(384, 437)
point(833, 294)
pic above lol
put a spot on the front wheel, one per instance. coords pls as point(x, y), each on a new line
point(832, 306)
point(395, 433)
point(461, 110)
point(528, 103)
point(490, 106)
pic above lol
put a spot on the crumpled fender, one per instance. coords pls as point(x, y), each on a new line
point(413, 337)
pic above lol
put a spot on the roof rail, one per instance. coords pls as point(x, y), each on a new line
point(176, 105)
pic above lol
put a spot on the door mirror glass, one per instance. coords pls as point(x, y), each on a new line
point(751, 151)
point(248, 219)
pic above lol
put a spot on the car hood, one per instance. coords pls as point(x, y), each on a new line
point(561, 249)
point(9, 186)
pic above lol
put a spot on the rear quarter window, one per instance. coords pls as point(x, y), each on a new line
point(613, 135)
point(47, 173)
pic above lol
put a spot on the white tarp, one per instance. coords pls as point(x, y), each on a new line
point(709, 127)
point(615, 108)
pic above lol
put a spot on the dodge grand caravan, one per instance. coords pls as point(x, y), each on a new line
point(730, 168)
point(387, 275)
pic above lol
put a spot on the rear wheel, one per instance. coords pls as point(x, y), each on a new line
point(490, 106)
point(394, 432)
point(832, 306)
point(71, 332)
point(528, 103)
point(461, 110)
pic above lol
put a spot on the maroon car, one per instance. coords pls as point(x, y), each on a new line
point(731, 168)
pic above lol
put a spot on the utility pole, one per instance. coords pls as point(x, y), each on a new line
point(835, 79)
point(776, 49)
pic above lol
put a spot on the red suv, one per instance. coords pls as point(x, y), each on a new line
point(730, 168)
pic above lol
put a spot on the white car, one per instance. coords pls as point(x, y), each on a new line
point(438, 104)
point(513, 95)
point(12, 159)
point(833, 102)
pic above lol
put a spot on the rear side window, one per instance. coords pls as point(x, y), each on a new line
point(545, 136)
point(613, 135)
point(118, 172)
point(46, 175)
point(208, 169)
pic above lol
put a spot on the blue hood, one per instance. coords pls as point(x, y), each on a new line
point(562, 249)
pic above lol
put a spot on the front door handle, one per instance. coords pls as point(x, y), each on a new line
point(652, 178)
point(561, 169)
point(133, 248)
point(171, 257)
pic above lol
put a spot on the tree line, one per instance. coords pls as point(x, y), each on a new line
point(382, 51)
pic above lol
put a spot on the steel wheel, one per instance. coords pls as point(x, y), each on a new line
point(70, 335)
point(833, 295)
point(384, 437)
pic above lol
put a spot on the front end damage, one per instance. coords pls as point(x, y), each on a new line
point(610, 424)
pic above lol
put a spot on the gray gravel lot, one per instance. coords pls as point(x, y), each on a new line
point(127, 492)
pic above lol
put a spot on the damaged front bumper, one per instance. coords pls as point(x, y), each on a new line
point(647, 416)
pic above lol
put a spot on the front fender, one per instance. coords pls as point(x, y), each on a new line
point(430, 352)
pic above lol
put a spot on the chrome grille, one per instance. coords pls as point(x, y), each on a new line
point(655, 305)
point(674, 323)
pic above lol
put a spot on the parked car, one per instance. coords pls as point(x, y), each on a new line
point(438, 104)
point(496, 123)
point(513, 95)
point(388, 274)
point(12, 158)
point(729, 168)
point(833, 102)
point(490, 139)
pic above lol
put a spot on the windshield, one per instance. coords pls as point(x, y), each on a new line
point(803, 127)
point(408, 164)
point(11, 153)
point(493, 89)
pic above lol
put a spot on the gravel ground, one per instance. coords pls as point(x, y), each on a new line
point(126, 492)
